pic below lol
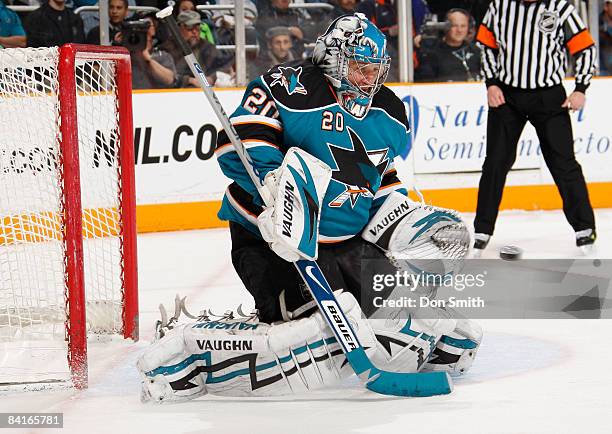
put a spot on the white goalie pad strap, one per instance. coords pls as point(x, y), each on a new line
point(293, 192)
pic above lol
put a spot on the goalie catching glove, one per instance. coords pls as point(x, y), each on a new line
point(417, 237)
point(293, 194)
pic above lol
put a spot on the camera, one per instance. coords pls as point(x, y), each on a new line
point(134, 34)
point(433, 30)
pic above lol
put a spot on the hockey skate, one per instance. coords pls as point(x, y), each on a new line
point(480, 243)
point(585, 240)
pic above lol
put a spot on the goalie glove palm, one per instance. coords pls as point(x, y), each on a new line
point(293, 194)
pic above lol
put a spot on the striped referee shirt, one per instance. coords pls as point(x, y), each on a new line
point(523, 44)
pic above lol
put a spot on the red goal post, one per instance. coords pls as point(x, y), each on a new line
point(68, 200)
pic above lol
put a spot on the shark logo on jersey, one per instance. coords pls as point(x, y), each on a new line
point(289, 78)
point(548, 22)
point(352, 192)
point(359, 171)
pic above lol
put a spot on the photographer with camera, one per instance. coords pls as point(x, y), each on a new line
point(207, 55)
point(152, 67)
point(117, 12)
point(452, 57)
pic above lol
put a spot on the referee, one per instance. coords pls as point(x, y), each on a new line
point(524, 62)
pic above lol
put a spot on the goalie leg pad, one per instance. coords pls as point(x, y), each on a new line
point(455, 351)
point(406, 340)
point(234, 358)
point(165, 359)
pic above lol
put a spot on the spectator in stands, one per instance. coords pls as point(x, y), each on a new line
point(453, 58)
point(206, 31)
point(383, 13)
point(342, 7)
point(476, 8)
point(279, 45)
point(90, 19)
point(12, 33)
point(279, 14)
point(117, 12)
point(225, 18)
point(224, 26)
point(152, 68)
point(605, 39)
point(53, 24)
point(183, 5)
point(206, 53)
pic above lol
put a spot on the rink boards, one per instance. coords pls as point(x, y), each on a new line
point(179, 184)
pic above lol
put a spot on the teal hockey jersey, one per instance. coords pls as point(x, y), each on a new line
point(294, 105)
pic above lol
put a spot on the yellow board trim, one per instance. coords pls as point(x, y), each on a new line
point(203, 215)
point(178, 216)
point(47, 226)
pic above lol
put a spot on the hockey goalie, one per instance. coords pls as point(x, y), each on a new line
point(322, 134)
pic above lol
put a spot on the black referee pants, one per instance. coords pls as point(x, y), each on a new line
point(541, 107)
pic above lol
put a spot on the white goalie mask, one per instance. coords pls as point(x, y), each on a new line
point(353, 55)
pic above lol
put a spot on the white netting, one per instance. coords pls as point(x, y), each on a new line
point(100, 193)
point(32, 251)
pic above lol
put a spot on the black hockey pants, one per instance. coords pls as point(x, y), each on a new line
point(345, 265)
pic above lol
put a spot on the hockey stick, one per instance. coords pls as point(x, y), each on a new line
point(384, 382)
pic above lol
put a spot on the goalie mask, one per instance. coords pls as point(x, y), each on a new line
point(353, 55)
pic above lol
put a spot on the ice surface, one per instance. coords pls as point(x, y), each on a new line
point(531, 376)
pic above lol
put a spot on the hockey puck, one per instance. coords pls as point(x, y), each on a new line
point(510, 253)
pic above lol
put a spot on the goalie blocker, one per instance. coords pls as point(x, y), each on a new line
point(293, 194)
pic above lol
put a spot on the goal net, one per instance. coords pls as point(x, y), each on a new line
point(67, 219)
